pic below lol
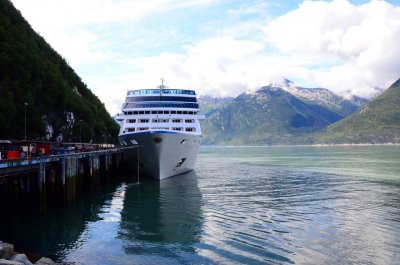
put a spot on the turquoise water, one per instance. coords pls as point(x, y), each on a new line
point(242, 205)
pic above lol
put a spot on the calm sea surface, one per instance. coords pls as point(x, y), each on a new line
point(242, 205)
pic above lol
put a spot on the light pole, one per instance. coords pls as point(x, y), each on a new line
point(80, 130)
point(25, 104)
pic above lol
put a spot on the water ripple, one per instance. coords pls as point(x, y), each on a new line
point(258, 205)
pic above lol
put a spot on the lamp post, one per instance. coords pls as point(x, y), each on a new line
point(80, 130)
point(25, 104)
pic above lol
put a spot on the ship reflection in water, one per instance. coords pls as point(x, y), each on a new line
point(148, 223)
point(162, 219)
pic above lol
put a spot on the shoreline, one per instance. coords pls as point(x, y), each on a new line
point(312, 145)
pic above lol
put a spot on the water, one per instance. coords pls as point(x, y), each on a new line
point(242, 205)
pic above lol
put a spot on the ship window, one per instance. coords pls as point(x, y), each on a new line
point(173, 112)
point(160, 120)
point(189, 121)
point(177, 129)
point(131, 129)
point(141, 112)
point(190, 129)
point(135, 113)
point(153, 112)
point(143, 120)
point(185, 112)
point(162, 104)
point(178, 91)
point(142, 128)
point(179, 112)
point(160, 128)
point(147, 112)
point(160, 112)
point(176, 120)
point(131, 121)
point(166, 111)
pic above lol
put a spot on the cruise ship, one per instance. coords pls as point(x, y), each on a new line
point(165, 123)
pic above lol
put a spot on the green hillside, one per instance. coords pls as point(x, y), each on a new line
point(269, 116)
point(60, 104)
point(378, 121)
point(208, 105)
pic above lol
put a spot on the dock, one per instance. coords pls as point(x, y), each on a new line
point(59, 179)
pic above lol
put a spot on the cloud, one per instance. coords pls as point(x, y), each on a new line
point(77, 29)
point(220, 49)
point(66, 14)
point(210, 65)
point(364, 39)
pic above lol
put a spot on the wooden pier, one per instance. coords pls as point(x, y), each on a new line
point(58, 179)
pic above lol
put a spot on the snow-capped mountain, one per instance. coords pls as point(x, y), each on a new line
point(318, 96)
point(280, 112)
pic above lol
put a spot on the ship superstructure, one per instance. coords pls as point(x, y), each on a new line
point(166, 124)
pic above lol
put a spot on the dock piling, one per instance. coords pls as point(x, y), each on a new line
point(58, 179)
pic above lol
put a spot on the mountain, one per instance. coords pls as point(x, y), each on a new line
point(270, 115)
point(208, 104)
point(359, 101)
point(36, 80)
point(319, 96)
point(378, 121)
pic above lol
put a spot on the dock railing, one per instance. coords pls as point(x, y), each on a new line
point(8, 166)
point(62, 177)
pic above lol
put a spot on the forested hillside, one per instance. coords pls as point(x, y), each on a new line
point(59, 105)
point(378, 121)
point(271, 115)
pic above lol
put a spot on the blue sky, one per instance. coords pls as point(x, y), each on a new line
point(221, 47)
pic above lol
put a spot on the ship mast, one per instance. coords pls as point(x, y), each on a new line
point(161, 86)
point(162, 83)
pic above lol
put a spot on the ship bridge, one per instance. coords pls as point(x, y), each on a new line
point(161, 98)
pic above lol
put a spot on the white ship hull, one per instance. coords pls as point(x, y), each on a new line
point(163, 154)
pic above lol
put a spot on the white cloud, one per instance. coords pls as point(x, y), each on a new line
point(216, 66)
point(365, 38)
point(335, 44)
point(66, 14)
point(75, 28)
point(258, 8)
